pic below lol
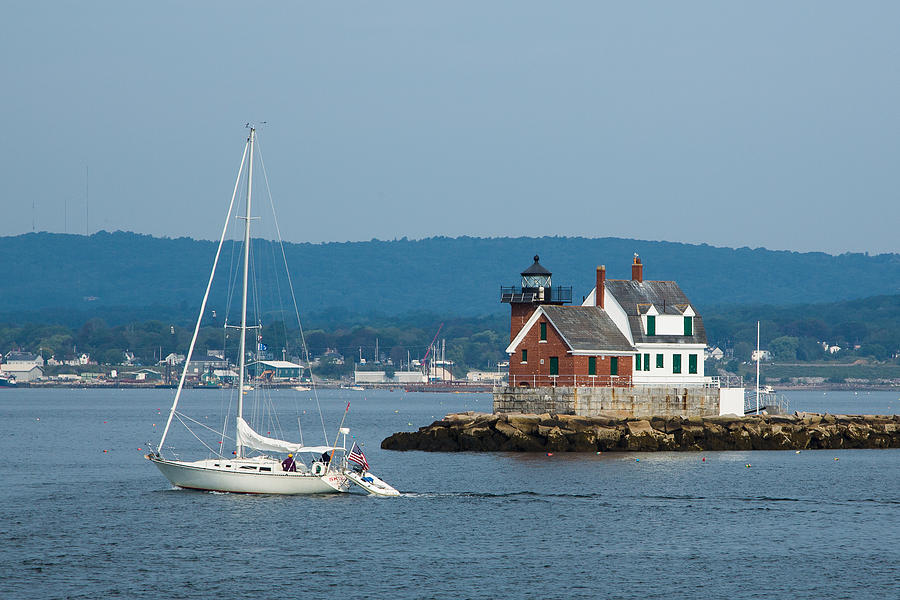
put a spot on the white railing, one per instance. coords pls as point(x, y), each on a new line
point(726, 381)
point(570, 380)
point(769, 401)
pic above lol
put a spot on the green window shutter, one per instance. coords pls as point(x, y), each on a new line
point(524, 355)
point(554, 365)
point(651, 325)
point(676, 363)
point(692, 364)
point(613, 365)
point(659, 361)
point(543, 332)
point(592, 365)
point(647, 362)
point(637, 362)
point(688, 326)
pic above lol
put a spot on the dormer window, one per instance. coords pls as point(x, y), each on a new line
point(651, 325)
point(689, 326)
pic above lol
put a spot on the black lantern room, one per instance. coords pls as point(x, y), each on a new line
point(536, 288)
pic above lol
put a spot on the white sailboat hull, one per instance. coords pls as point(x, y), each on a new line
point(229, 476)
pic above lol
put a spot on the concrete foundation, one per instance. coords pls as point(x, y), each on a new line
point(619, 402)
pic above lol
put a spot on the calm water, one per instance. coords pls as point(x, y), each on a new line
point(78, 522)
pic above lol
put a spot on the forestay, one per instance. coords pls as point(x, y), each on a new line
point(249, 438)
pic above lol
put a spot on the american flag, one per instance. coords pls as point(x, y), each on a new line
point(356, 455)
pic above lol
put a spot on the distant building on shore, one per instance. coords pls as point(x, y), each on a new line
point(381, 377)
point(24, 366)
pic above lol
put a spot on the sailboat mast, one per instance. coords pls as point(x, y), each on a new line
point(757, 367)
point(243, 359)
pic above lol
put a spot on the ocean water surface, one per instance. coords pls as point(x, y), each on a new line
point(84, 515)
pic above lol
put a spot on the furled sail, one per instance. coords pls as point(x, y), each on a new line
point(251, 439)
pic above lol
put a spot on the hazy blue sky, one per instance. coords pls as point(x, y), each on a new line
point(771, 124)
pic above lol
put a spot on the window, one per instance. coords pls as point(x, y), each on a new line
point(688, 326)
point(265, 468)
point(659, 361)
point(554, 365)
point(524, 355)
point(592, 365)
point(543, 332)
point(651, 325)
point(613, 365)
point(676, 363)
point(647, 362)
point(637, 362)
point(692, 364)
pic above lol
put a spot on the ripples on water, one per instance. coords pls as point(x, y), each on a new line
point(78, 522)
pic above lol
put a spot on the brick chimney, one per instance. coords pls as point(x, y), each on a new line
point(637, 269)
point(600, 295)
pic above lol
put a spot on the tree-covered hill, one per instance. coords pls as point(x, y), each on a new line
point(128, 274)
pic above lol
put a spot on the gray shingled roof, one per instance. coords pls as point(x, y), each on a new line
point(587, 328)
point(20, 356)
point(637, 296)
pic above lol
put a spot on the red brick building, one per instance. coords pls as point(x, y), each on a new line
point(556, 345)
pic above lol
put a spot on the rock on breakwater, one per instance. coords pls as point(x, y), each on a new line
point(483, 432)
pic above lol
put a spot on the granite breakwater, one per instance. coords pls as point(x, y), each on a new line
point(483, 432)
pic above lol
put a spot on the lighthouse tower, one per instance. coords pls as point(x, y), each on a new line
point(536, 289)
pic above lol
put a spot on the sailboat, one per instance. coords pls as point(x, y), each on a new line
point(255, 466)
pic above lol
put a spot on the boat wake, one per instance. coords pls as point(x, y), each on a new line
point(523, 495)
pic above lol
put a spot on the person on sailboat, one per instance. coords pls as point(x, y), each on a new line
point(288, 464)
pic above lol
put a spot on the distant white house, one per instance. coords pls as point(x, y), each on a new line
point(80, 361)
point(763, 355)
point(173, 359)
point(714, 353)
point(829, 348)
point(23, 359)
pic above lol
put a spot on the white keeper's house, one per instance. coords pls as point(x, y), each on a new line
point(658, 320)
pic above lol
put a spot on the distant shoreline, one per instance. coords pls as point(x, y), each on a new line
point(824, 387)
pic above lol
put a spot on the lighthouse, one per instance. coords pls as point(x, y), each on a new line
point(536, 288)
